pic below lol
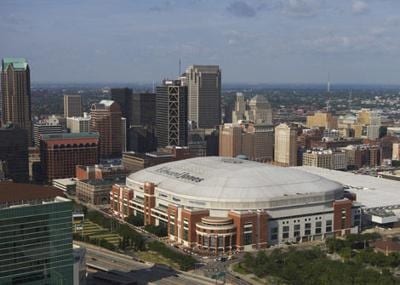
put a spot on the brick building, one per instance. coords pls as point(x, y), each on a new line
point(60, 153)
point(219, 204)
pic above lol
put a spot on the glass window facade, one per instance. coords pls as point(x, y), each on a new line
point(36, 244)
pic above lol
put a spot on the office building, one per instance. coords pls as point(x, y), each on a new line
point(106, 120)
point(136, 161)
point(79, 124)
point(171, 114)
point(325, 158)
point(322, 120)
point(285, 145)
point(220, 204)
point(14, 153)
point(123, 96)
point(255, 142)
point(46, 126)
point(96, 191)
point(100, 171)
point(204, 95)
point(239, 110)
point(35, 235)
point(396, 151)
point(60, 153)
point(16, 94)
point(259, 110)
point(142, 139)
point(72, 106)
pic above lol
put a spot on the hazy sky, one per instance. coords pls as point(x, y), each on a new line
point(260, 41)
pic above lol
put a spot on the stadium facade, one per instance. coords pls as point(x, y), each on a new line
point(219, 204)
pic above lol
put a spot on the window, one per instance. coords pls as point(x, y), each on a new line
point(285, 235)
point(307, 225)
point(285, 229)
point(274, 233)
point(296, 227)
point(248, 238)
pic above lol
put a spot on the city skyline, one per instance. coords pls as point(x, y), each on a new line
point(278, 41)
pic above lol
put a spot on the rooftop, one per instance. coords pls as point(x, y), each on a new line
point(17, 63)
point(69, 136)
point(236, 180)
point(19, 193)
point(372, 192)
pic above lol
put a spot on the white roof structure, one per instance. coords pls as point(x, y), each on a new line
point(235, 183)
point(372, 192)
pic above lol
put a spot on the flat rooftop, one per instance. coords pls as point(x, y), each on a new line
point(19, 193)
point(372, 192)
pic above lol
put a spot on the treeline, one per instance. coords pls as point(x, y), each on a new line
point(312, 267)
point(130, 237)
point(357, 248)
point(184, 261)
point(95, 241)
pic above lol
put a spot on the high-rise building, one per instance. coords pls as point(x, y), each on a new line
point(143, 109)
point(256, 142)
point(230, 140)
point(240, 108)
point(123, 134)
point(79, 124)
point(123, 96)
point(322, 120)
point(16, 94)
point(260, 111)
point(171, 114)
point(285, 145)
point(60, 153)
point(48, 126)
point(141, 132)
point(14, 153)
point(204, 95)
point(106, 120)
point(72, 106)
point(35, 235)
point(396, 151)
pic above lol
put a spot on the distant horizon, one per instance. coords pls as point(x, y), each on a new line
point(253, 41)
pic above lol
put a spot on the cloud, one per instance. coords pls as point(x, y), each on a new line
point(241, 9)
point(359, 7)
point(163, 6)
point(301, 8)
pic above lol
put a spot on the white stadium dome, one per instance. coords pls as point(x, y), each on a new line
point(229, 183)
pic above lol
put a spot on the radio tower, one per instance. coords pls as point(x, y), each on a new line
point(328, 86)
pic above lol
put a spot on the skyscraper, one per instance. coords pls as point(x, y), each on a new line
point(240, 108)
point(123, 96)
point(204, 95)
point(285, 145)
point(106, 120)
point(79, 124)
point(72, 106)
point(48, 126)
point(35, 235)
point(171, 114)
point(14, 153)
point(260, 111)
point(16, 94)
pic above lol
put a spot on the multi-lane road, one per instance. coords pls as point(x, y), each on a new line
point(111, 265)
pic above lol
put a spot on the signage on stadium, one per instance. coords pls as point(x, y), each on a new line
point(179, 175)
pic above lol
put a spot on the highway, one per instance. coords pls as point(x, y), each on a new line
point(123, 267)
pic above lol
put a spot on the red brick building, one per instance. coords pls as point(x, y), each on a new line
point(220, 204)
point(106, 120)
point(60, 153)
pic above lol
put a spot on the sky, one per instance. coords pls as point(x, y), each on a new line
point(253, 41)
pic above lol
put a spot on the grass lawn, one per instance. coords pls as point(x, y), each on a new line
point(155, 257)
point(239, 269)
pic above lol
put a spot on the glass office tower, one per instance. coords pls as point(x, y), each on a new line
point(35, 238)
